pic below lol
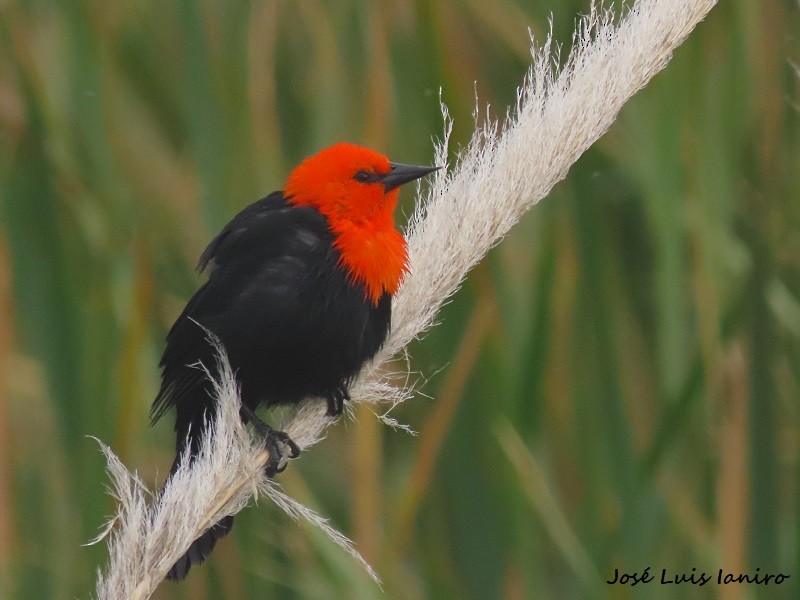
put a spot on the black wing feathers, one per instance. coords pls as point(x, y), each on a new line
point(291, 321)
point(254, 258)
point(259, 215)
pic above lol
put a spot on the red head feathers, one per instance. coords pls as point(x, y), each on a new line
point(356, 189)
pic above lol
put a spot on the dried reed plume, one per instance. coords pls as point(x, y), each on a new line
point(504, 170)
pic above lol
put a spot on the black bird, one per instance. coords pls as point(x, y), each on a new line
point(299, 293)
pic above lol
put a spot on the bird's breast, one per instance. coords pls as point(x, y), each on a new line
point(372, 255)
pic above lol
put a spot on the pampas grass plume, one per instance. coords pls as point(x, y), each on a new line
point(505, 169)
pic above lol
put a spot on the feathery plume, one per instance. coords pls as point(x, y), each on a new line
point(151, 533)
point(506, 168)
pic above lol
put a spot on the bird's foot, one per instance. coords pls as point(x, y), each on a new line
point(336, 401)
point(275, 441)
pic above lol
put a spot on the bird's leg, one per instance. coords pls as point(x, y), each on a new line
point(336, 400)
point(273, 440)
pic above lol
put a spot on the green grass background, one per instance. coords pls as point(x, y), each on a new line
point(615, 386)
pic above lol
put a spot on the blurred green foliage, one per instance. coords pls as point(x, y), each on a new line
point(615, 386)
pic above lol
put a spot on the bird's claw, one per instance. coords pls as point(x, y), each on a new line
point(283, 438)
point(336, 401)
point(275, 442)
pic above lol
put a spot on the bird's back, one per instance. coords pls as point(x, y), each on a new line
point(291, 320)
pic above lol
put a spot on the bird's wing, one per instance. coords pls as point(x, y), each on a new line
point(256, 218)
point(260, 261)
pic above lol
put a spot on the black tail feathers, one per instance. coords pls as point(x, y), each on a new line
point(200, 549)
point(202, 546)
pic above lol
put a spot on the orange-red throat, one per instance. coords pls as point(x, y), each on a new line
point(356, 189)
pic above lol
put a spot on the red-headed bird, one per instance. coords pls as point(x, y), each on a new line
point(299, 293)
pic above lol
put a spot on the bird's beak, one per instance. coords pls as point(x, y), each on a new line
point(401, 174)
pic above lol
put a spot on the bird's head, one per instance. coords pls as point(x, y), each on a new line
point(351, 183)
point(356, 189)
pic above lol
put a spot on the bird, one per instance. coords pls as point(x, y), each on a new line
point(299, 294)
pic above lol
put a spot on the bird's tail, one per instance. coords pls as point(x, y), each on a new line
point(200, 549)
point(202, 546)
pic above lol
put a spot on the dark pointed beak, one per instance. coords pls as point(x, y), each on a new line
point(401, 174)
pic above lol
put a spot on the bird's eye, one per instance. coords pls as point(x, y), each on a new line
point(364, 177)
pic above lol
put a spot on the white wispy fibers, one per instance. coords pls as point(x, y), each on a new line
point(151, 532)
point(506, 168)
